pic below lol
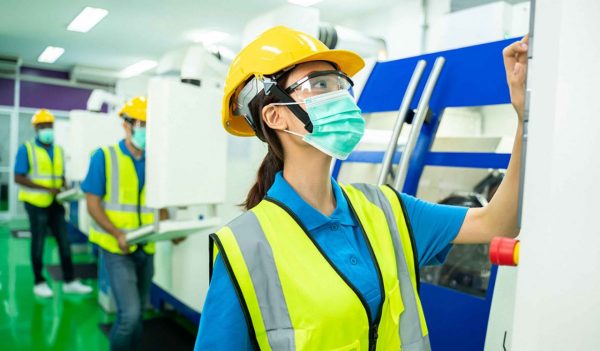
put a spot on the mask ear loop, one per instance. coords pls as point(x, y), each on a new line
point(270, 86)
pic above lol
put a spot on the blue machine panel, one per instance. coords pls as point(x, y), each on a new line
point(472, 76)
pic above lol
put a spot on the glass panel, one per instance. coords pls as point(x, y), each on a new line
point(482, 129)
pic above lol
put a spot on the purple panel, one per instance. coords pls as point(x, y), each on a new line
point(39, 95)
point(7, 92)
point(39, 72)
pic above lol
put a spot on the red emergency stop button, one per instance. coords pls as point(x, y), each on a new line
point(504, 251)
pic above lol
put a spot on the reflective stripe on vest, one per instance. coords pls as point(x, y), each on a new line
point(413, 332)
point(121, 201)
point(278, 272)
point(42, 171)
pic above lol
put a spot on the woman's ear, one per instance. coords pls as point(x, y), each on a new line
point(273, 118)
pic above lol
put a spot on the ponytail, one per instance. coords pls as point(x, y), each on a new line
point(271, 164)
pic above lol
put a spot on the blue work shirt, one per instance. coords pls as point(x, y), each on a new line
point(223, 327)
point(95, 180)
point(22, 162)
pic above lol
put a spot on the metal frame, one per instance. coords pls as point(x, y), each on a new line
point(404, 106)
point(417, 124)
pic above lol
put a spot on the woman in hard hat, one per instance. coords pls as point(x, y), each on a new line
point(312, 264)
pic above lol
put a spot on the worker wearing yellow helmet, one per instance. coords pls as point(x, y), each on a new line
point(116, 200)
point(312, 264)
point(39, 170)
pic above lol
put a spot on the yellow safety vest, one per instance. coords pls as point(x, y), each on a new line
point(42, 171)
point(123, 203)
point(294, 298)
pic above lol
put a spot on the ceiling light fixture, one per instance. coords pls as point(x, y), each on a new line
point(87, 19)
point(305, 3)
point(50, 54)
point(137, 68)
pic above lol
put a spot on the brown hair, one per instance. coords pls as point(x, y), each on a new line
point(273, 161)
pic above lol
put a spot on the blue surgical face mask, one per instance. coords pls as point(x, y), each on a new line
point(138, 138)
point(46, 135)
point(337, 122)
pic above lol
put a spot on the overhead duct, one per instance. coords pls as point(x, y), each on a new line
point(9, 64)
point(93, 75)
point(338, 37)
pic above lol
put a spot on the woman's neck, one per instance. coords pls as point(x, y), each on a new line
point(309, 175)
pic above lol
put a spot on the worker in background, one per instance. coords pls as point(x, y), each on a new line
point(116, 200)
point(312, 264)
point(39, 170)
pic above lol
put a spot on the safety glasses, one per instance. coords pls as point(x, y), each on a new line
point(321, 82)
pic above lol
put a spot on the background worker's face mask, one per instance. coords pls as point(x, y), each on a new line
point(138, 137)
point(337, 122)
point(46, 135)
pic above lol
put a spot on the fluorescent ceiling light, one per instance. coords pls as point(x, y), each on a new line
point(87, 19)
point(51, 54)
point(208, 38)
point(304, 3)
point(137, 68)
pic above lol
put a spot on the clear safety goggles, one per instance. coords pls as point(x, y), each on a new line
point(321, 82)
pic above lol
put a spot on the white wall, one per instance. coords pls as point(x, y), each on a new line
point(402, 26)
point(558, 286)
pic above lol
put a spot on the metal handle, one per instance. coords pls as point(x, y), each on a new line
point(418, 120)
point(404, 106)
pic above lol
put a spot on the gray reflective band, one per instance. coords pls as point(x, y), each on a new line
point(114, 175)
point(125, 208)
point(258, 256)
point(39, 177)
point(410, 323)
point(32, 190)
point(98, 228)
point(34, 161)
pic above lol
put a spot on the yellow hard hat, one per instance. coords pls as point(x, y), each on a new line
point(273, 51)
point(42, 116)
point(135, 109)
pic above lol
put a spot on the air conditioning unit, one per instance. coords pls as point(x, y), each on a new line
point(93, 75)
point(9, 64)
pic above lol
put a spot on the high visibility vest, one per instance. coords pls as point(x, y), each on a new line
point(42, 171)
point(123, 203)
point(294, 298)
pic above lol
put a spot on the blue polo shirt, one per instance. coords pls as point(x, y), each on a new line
point(95, 180)
point(22, 162)
point(223, 327)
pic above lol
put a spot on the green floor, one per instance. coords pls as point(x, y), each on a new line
point(65, 323)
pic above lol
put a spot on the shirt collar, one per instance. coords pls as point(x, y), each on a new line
point(39, 143)
point(126, 151)
point(283, 192)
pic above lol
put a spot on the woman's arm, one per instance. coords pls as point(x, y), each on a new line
point(499, 217)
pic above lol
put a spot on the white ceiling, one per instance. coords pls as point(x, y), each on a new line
point(136, 29)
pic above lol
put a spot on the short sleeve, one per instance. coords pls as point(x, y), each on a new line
point(434, 227)
point(22, 161)
point(95, 180)
point(222, 323)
